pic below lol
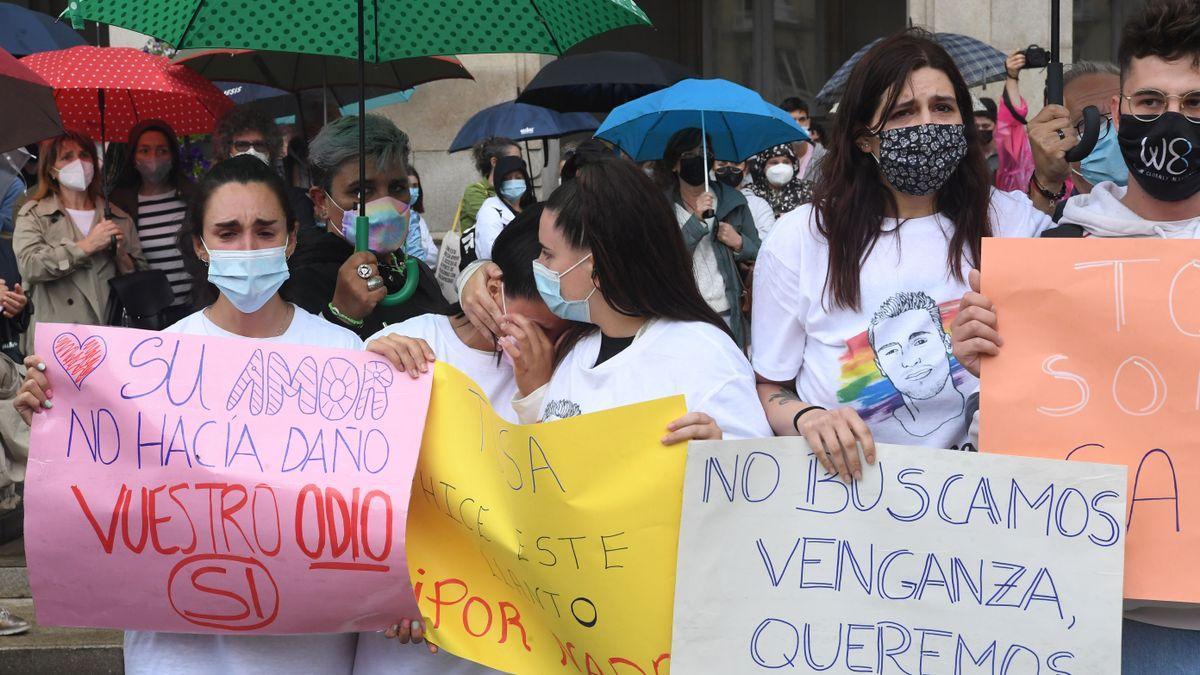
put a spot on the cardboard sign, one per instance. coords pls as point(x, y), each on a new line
point(207, 485)
point(1100, 363)
point(548, 547)
point(935, 562)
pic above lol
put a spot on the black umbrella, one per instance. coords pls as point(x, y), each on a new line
point(600, 81)
point(26, 105)
point(1054, 94)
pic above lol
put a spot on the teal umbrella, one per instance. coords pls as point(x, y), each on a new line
point(372, 31)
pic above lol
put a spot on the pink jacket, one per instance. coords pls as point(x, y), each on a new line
point(1012, 149)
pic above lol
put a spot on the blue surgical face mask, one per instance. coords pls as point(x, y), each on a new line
point(549, 285)
point(248, 279)
point(415, 193)
point(1105, 162)
point(512, 190)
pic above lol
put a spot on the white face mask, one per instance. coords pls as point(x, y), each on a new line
point(76, 176)
point(780, 174)
point(262, 156)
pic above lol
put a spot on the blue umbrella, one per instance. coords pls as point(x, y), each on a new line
point(738, 120)
point(521, 122)
point(979, 63)
point(24, 32)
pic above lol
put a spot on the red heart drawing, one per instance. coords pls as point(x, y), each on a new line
point(79, 359)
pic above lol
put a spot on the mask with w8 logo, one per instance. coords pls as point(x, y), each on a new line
point(1163, 155)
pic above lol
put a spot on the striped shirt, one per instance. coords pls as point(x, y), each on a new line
point(158, 223)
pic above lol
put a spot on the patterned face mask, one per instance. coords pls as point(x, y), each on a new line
point(918, 160)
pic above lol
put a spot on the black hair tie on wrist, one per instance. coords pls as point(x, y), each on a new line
point(796, 419)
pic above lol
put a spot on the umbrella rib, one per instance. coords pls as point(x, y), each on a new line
point(400, 81)
point(188, 27)
point(732, 139)
point(557, 47)
point(132, 104)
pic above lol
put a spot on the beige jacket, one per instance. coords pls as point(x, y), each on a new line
point(64, 284)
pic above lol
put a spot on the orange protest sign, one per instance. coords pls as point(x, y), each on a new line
point(1101, 363)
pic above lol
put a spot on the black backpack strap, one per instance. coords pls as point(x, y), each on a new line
point(1064, 231)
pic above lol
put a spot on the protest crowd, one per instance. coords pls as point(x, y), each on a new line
point(826, 285)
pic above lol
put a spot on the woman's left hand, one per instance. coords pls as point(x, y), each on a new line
point(410, 630)
point(696, 426)
point(726, 234)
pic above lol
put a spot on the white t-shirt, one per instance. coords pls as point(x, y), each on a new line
point(494, 376)
point(150, 653)
point(493, 215)
point(82, 219)
point(890, 360)
point(667, 358)
point(704, 264)
point(764, 215)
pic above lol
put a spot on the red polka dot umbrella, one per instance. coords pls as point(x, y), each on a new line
point(106, 91)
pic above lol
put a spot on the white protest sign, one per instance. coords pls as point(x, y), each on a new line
point(937, 562)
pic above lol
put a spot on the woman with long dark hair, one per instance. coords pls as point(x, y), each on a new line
point(614, 261)
point(151, 187)
point(853, 293)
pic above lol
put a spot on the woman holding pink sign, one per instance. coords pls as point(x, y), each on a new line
point(237, 236)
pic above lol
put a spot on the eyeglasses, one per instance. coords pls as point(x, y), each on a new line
point(244, 146)
point(1105, 126)
point(1147, 105)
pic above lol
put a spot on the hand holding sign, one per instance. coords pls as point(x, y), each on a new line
point(35, 393)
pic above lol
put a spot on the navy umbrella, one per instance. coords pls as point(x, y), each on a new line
point(979, 63)
point(281, 103)
point(600, 81)
point(520, 122)
point(24, 32)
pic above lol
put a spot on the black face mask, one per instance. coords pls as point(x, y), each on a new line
point(692, 170)
point(985, 137)
point(1163, 156)
point(730, 176)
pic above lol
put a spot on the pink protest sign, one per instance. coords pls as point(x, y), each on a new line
point(205, 485)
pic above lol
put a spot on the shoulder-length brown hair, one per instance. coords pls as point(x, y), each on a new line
point(48, 154)
point(852, 198)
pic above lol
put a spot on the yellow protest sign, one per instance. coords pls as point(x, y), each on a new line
point(538, 548)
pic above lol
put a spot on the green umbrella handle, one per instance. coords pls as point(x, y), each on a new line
point(412, 271)
point(412, 274)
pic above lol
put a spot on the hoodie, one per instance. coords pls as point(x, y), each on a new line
point(1101, 214)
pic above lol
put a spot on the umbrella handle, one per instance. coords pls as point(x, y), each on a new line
point(708, 213)
point(412, 271)
point(1091, 134)
point(412, 275)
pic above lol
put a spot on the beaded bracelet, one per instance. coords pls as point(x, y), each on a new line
point(349, 321)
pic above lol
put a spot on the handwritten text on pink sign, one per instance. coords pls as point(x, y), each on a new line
point(197, 484)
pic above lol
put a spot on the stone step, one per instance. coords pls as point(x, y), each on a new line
point(46, 649)
point(14, 579)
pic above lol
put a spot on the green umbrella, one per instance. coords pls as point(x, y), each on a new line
point(369, 30)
